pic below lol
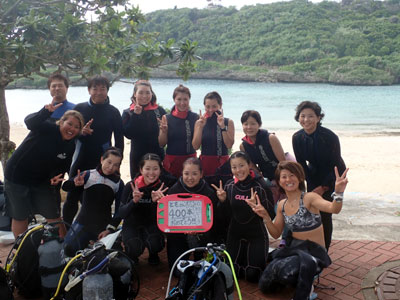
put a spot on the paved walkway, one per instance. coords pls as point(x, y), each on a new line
point(355, 267)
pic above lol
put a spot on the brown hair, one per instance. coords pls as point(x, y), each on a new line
point(57, 76)
point(181, 89)
point(72, 113)
point(292, 167)
point(251, 113)
point(145, 83)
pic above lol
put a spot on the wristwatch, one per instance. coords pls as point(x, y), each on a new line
point(225, 128)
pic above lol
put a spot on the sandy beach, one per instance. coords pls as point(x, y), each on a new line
point(371, 208)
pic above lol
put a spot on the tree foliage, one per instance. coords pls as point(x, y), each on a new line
point(293, 34)
point(82, 37)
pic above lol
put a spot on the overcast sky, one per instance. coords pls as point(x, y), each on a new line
point(151, 5)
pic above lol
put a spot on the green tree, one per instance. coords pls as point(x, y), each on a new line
point(83, 37)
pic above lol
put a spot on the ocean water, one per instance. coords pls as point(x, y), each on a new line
point(365, 109)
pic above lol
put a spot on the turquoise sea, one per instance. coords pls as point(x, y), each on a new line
point(365, 109)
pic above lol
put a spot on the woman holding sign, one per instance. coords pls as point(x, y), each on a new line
point(176, 131)
point(214, 134)
point(191, 182)
point(140, 124)
point(139, 209)
point(247, 240)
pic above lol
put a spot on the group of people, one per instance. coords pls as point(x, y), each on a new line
point(256, 192)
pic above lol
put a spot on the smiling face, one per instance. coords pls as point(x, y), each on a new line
point(191, 175)
point(250, 127)
point(211, 106)
point(182, 101)
point(150, 171)
point(288, 181)
point(110, 165)
point(143, 95)
point(309, 120)
point(58, 90)
point(70, 128)
point(98, 94)
point(240, 168)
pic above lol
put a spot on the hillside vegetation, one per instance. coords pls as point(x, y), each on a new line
point(352, 42)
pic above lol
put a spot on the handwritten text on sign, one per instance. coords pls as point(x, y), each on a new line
point(185, 213)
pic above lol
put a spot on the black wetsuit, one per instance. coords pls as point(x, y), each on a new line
point(247, 240)
point(142, 129)
point(319, 153)
point(178, 243)
point(261, 154)
point(139, 230)
point(89, 149)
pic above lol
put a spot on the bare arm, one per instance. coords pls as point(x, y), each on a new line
point(163, 133)
point(198, 131)
point(229, 135)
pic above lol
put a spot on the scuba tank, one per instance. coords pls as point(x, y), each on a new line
point(51, 260)
point(97, 287)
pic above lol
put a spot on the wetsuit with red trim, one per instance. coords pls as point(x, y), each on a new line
point(247, 240)
point(261, 153)
point(139, 230)
point(180, 136)
point(214, 153)
point(142, 129)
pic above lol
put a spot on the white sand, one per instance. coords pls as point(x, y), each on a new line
point(372, 201)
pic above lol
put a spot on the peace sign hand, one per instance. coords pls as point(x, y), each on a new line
point(221, 193)
point(341, 181)
point(51, 107)
point(201, 121)
point(79, 179)
point(220, 119)
point(158, 194)
point(57, 179)
point(136, 194)
point(257, 207)
point(86, 130)
point(163, 124)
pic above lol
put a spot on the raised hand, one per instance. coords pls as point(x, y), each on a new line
point(136, 194)
point(253, 197)
point(221, 194)
point(79, 179)
point(163, 124)
point(86, 130)
point(138, 109)
point(51, 107)
point(341, 180)
point(220, 119)
point(201, 120)
point(258, 208)
point(158, 194)
point(57, 179)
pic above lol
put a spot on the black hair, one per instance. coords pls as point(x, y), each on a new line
point(213, 96)
point(240, 154)
point(57, 76)
point(312, 105)
point(150, 156)
point(251, 113)
point(193, 161)
point(112, 151)
point(144, 83)
point(98, 81)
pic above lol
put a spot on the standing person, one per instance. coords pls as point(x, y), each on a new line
point(38, 165)
point(192, 182)
point(58, 87)
point(176, 131)
point(247, 240)
point(214, 134)
point(317, 149)
point(140, 123)
point(102, 121)
point(139, 211)
point(102, 187)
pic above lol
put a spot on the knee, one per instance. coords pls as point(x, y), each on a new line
point(134, 247)
point(155, 242)
point(252, 274)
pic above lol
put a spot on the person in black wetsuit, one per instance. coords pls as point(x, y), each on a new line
point(192, 182)
point(247, 240)
point(176, 131)
point(102, 187)
point(38, 165)
point(102, 121)
point(139, 211)
point(214, 134)
point(140, 124)
point(317, 149)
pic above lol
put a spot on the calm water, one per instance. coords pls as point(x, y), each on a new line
point(347, 108)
